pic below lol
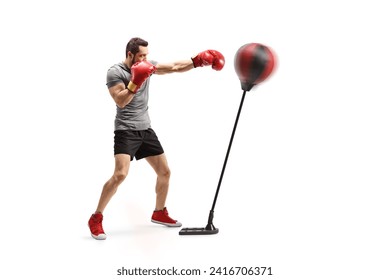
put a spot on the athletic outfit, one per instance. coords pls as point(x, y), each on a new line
point(133, 133)
point(133, 136)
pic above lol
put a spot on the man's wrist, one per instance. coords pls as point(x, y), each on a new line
point(131, 87)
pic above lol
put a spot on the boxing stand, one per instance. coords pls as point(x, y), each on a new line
point(210, 228)
point(253, 63)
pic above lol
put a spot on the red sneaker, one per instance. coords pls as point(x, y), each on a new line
point(162, 217)
point(96, 227)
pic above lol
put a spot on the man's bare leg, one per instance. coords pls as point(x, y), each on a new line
point(160, 165)
point(122, 165)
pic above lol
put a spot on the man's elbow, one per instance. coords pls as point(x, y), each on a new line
point(121, 105)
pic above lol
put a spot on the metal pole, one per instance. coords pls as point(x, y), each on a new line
point(211, 216)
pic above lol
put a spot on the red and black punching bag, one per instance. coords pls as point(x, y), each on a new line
point(253, 63)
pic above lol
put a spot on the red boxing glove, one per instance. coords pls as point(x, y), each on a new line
point(140, 71)
point(209, 57)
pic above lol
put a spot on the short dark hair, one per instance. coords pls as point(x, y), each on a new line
point(133, 45)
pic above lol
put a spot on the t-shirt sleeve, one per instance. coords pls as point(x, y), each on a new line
point(113, 77)
point(154, 62)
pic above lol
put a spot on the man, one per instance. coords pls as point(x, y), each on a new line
point(128, 84)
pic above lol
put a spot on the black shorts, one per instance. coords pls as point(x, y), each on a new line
point(137, 143)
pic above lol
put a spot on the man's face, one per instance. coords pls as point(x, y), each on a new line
point(141, 55)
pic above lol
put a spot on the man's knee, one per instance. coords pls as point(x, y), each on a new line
point(122, 164)
point(165, 173)
point(119, 176)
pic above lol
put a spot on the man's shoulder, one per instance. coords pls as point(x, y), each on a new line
point(117, 73)
point(117, 66)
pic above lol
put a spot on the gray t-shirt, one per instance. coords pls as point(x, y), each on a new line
point(134, 115)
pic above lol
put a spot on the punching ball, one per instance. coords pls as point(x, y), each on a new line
point(253, 63)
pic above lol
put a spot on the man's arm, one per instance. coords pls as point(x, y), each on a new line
point(178, 66)
point(121, 95)
point(207, 58)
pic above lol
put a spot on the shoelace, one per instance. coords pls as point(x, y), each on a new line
point(98, 225)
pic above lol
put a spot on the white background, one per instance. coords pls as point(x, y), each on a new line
point(305, 188)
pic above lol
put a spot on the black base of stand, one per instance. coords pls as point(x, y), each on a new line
point(198, 231)
point(209, 229)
